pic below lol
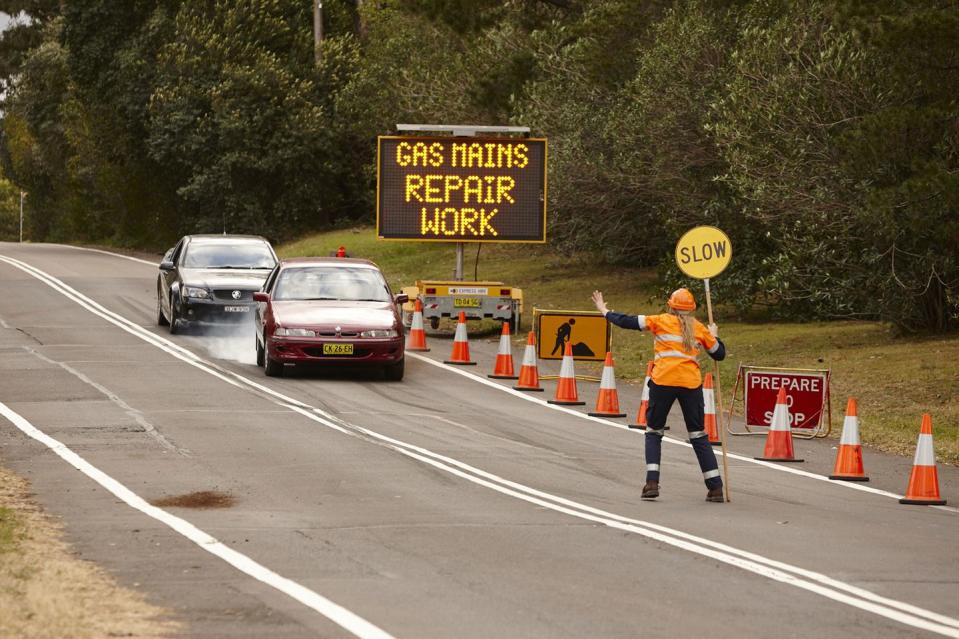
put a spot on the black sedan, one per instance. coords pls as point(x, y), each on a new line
point(211, 278)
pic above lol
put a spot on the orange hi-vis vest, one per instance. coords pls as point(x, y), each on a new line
point(673, 365)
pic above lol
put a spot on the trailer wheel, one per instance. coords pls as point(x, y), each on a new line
point(434, 323)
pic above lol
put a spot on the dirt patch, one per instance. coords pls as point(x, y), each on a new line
point(47, 592)
point(199, 499)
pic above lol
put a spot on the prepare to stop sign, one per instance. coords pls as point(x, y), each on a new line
point(805, 396)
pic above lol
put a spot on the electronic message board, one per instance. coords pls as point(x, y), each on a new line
point(456, 189)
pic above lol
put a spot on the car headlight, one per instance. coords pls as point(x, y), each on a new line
point(195, 291)
point(380, 333)
point(293, 332)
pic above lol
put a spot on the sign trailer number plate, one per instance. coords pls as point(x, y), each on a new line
point(236, 309)
point(337, 349)
point(466, 302)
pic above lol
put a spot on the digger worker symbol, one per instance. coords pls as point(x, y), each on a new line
point(676, 376)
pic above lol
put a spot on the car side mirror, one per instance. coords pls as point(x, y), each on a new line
point(166, 265)
point(401, 298)
point(260, 296)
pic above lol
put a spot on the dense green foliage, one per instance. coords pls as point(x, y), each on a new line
point(822, 135)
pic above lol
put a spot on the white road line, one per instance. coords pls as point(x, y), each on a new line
point(337, 614)
point(818, 583)
point(530, 398)
point(668, 439)
point(110, 253)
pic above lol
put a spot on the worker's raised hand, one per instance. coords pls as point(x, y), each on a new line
point(598, 301)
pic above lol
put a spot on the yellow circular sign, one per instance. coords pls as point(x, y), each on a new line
point(703, 252)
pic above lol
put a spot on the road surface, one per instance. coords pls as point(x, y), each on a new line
point(444, 505)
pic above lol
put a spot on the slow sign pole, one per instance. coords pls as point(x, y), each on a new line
point(704, 252)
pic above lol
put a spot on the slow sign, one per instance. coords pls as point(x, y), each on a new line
point(703, 252)
point(452, 189)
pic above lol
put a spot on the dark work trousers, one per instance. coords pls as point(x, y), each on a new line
point(661, 399)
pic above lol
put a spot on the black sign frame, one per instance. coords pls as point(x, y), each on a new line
point(398, 220)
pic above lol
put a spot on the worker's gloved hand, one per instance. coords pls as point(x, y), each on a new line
point(714, 330)
point(598, 301)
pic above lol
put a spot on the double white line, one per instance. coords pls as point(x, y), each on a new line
point(808, 580)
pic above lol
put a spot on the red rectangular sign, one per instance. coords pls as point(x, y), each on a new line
point(805, 396)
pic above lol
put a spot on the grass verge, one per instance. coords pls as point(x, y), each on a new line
point(47, 592)
point(895, 379)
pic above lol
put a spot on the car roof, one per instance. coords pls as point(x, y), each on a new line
point(326, 261)
point(226, 238)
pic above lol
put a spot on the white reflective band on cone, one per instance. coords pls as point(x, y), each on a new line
point(566, 370)
point(709, 400)
point(504, 345)
point(417, 321)
point(925, 455)
point(645, 397)
point(709, 474)
point(608, 381)
point(460, 335)
point(652, 467)
point(780, 418)
point(529, 356)
point(850, 431)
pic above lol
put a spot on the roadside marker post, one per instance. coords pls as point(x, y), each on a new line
point(702, 253)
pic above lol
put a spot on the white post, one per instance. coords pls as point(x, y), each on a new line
point(458, 276)
point(21, 216)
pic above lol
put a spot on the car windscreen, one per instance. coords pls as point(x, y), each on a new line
point(222, 255)
point(341, 283)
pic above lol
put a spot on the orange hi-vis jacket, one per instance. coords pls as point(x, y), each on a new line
point(673, 364)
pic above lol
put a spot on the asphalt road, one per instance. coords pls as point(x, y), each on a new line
point(440, 506)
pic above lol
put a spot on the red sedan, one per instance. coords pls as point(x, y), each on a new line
point(328, 311)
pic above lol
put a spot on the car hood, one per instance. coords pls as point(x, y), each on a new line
point(223, 278)
point(348, 315)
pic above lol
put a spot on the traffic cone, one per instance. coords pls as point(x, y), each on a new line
point(924, 481)
point(709, 417)
point(503, 369)
point(528, 372)
point(417, 338)
point(566, 386)
point(461, 345)
point(779, 439)
point(849, 459)
point(644, 401)
point(607, 402)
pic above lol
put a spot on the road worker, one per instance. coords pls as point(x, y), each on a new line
point(678, 338)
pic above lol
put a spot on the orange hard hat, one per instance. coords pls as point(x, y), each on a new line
point(682, 300)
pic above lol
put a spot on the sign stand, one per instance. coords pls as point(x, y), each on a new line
point(822, 429)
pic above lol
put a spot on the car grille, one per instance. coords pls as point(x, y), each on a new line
point(226, 294)
point(335, 334)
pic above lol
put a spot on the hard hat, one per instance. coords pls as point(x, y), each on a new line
point(682, 300)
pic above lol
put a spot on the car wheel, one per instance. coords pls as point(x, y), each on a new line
point(176, 324)
point(260, 355)
point(272, 368)
point(161, 318)
point(394, 372)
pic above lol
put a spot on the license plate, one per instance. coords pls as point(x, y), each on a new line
point(236, 309)
point(337, 349)
point(466, 302)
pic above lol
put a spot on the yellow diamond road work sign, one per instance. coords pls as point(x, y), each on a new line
point(587, 332)
point(703, 252)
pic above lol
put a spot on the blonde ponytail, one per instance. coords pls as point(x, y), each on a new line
point(687, 323)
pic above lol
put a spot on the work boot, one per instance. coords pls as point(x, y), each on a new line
point(716, 495)
point(651, 490)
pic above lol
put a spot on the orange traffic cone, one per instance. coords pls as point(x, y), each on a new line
point(503, 369)
point(607, 402)
point(849, 459)
point(924, 481)
point(461, 345)
point(644, 401)
point(779, 439)
point(417, 338)
point(566, 386)
point(709, 417)
point(528, 372)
